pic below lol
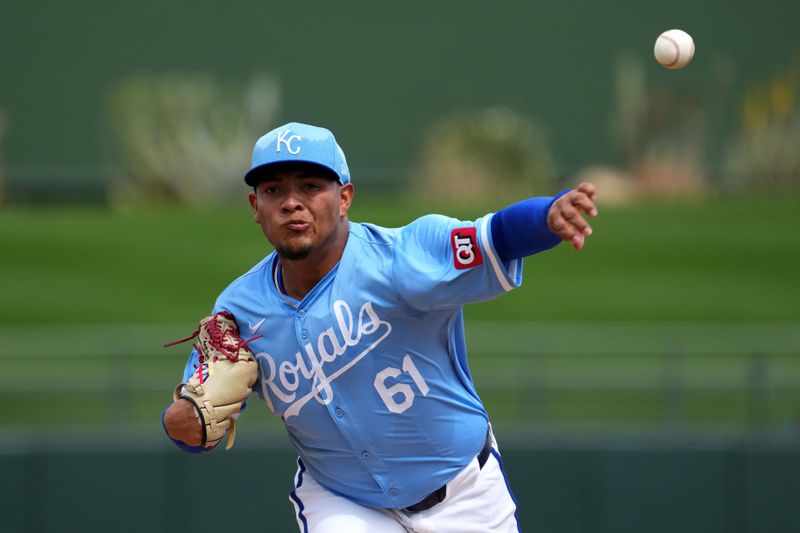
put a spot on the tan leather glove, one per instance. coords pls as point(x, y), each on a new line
point(225, 374)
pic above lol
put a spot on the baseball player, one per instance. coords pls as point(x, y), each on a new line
point(361, 349)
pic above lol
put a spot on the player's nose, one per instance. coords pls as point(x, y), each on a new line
point(291, 202)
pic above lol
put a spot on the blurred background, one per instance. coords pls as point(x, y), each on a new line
point(649, 383)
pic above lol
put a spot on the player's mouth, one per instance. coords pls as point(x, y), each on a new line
point(297, 225)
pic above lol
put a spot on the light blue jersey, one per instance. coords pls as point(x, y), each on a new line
point(369, 371)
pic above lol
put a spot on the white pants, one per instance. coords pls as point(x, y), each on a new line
point(478, 501)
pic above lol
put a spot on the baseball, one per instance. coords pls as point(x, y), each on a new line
point(674, 49)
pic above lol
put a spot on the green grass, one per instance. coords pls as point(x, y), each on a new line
point(733, 260)
point(663, 294)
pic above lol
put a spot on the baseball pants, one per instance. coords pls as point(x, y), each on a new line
point(478, 500)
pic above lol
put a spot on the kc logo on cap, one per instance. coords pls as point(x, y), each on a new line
point(287, 141)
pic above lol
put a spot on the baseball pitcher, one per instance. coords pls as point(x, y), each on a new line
point(354, 335)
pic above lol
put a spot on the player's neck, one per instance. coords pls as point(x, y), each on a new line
point(300, 276)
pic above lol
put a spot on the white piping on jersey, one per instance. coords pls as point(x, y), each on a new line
point(512, 268)
point(487, 248)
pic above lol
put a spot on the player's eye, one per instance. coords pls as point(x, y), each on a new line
point(310, 186)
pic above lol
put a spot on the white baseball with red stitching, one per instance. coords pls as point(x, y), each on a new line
point(674, 49)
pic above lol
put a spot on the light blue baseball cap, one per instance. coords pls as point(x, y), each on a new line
point(302, 143)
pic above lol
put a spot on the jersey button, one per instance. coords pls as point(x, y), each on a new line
point(301, 313)
point(304, 334)
point(365, 454)
point(393, 492)
point(339, 412)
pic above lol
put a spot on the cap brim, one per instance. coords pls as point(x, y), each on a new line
point(256, 174)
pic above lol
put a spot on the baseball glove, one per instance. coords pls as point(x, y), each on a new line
point(223, 377)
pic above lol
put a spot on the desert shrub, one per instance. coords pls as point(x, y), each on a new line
point(491, 153)
point(186, 138)
point(765, 152)
point(661, 133)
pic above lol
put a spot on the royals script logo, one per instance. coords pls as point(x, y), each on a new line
point(309, 366)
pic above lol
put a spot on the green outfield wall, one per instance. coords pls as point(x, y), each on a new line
point(377, 73)
point(657, 487)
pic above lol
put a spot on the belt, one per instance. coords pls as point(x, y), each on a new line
point(439, 494)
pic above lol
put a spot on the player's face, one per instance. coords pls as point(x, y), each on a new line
point(302, 211)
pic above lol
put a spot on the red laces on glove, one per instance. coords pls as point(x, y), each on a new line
point(218, 337)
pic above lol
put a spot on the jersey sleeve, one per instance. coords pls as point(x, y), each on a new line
point(441, 263)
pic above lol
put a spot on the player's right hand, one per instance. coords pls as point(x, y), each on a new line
point(183, 423)
point(565, 216)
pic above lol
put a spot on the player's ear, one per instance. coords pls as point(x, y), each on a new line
point(346, 193)
point(253, 199)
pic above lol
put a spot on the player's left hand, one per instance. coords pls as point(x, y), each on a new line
point(223, 378)
point(565, 216)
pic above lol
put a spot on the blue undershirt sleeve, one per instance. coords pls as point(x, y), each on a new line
point(521, 229)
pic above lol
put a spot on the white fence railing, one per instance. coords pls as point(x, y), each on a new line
point(692, 369)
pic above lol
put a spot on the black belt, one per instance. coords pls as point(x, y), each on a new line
point(439, 494)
